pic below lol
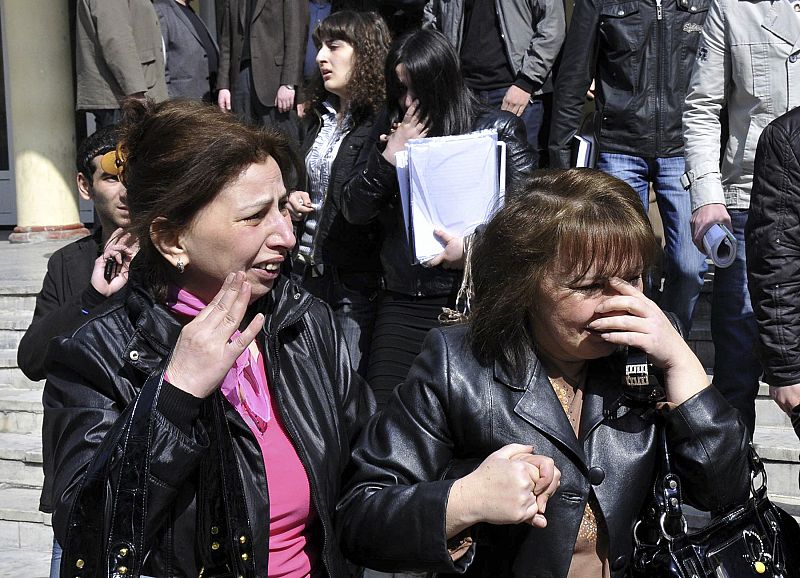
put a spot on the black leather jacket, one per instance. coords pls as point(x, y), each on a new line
point(641, 65)
point(451, 410)
point(136, 487)
point(772, 240)
point(348, 247)
point(373, 194)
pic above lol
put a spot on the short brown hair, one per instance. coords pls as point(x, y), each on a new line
point(555, 222)
point(179, 155)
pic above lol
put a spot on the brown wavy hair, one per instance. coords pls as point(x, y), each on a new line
point(370, 38)
point(556, 222)
point(178, 156)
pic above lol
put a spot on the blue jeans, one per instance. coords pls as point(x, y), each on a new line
point(684, 265)
point(734, 331)
point(55, 560)
point(532, 118)
point(354, 300)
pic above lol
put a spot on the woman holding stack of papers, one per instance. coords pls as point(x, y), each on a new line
point(426, 97)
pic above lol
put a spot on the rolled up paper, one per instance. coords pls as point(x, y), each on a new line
point(720, 245)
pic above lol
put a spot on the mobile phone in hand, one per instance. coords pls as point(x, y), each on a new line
point(111, 270)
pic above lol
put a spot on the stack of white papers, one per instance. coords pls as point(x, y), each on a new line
point(451, 183)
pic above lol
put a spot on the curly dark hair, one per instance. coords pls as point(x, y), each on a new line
point(370, 38)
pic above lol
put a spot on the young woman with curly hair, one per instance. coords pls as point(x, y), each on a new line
point(337, 261)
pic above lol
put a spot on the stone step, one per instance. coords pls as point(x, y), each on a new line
point(11, 375)
point(779, 449)
point(21, 460)
point(32, 563)
point(12, 327)
point(21, 411)
point(22, 526)
point(17, 302)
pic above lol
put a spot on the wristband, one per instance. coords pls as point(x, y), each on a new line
point(289, 86)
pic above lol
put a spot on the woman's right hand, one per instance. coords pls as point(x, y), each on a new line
point(204, 351)
point(511, 486)
point(299, 205)
point(411, 127)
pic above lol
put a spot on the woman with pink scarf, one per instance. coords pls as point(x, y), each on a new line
point(200, 423)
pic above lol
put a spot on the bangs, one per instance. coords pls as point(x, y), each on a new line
point(593, 244)
point(332, 29)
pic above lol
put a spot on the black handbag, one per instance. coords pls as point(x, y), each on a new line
point(754, 539)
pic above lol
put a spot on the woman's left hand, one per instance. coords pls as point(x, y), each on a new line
point(206, 348)
point(453, 255)
point(629, 318)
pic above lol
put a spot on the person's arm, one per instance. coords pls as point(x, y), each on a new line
point(549, 30)
point(84, 417)
point(372, 183)
point(430, 15)
point(520, 157)
point(163, 24)
point(701, 125)
point(708, 446)
point(56, 314)
point(224, 67)
point(117, 45)
point(773, 260)
point(575, 74)
point(398, 512)
point(295, 16)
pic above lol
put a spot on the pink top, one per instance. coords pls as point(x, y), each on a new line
point(246, 388)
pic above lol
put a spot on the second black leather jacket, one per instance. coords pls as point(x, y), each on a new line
point(452, 409)
point(373, 195)
point(640, 54)
point(344, 245)
point(772, 240)
point(135, 488)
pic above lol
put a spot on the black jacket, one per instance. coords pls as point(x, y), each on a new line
point(142, 469)
point(349, 247)
point(373, 194)
point(641, 66)
point(772, 240)
point(61, 305)
point(452, 409)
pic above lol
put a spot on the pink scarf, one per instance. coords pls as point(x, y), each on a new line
point(245, 386)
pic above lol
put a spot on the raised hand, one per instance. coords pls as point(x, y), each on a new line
point(204, 351)
point(122, 248)
point(630, 318)
point(411, 127)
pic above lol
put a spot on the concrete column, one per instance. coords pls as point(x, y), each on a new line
point(41, 118)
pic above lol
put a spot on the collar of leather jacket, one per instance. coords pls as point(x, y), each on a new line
point(157, 330)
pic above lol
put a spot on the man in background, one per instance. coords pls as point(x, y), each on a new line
point(118, 54)
point(75, 283)
point(262, 46)
point(507, 50)
point(747, 62)
point(192, 55)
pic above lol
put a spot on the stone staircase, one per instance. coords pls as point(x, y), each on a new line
point(26, 534)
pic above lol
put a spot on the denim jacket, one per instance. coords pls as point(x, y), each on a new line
point(749, 61)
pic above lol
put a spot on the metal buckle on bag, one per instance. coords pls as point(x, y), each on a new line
point(662, 525)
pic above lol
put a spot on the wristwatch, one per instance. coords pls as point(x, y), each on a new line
point(289, 86)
